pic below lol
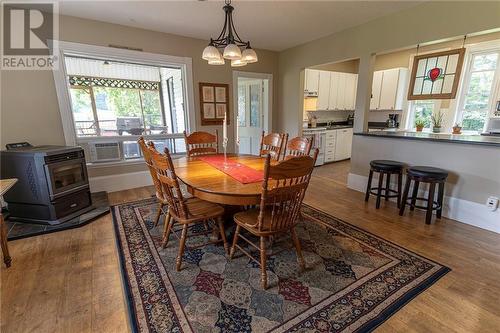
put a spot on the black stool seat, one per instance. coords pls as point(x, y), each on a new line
point(427, 172)
point(385, 168)
point(432, 176)
point(386, 165)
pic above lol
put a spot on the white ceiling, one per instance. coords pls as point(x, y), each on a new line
point(273, 25)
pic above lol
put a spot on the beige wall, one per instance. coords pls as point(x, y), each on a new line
point(29, 106)
point(350, 66)
point(403, 29)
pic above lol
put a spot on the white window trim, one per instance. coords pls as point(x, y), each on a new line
point(472, 50)
point(109, 53)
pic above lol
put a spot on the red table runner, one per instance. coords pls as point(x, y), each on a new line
point(242, 173)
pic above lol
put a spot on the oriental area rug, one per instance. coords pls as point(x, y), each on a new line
point(353, 282)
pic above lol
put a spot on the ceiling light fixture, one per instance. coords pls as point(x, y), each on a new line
point(230, 43)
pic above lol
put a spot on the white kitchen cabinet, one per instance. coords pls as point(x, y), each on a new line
point(311, 82)
point(330, 140)
point(334, 84)
point(323, 90)
point(388, 89)
point(343, 144)
point(351, 86)
point(376, 87)
point(342, 91)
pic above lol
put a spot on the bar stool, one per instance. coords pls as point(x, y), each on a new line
point(432, 176)
point(387, 168)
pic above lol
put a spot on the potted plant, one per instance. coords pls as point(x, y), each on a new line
point(437, 121)
point(457, 129)
point(419, 124)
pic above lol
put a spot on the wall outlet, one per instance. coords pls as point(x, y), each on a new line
point(492, 203)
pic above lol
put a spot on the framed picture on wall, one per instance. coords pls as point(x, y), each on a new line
point(214, 103)
point(208, 111)
point(436, 75)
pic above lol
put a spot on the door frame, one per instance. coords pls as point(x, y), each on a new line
point(268, 117)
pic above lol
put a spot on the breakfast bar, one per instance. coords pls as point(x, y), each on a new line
point(473, 164)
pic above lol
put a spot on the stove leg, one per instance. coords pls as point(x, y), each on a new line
point(3, 240)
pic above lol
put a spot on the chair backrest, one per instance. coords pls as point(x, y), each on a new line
point(298, 146)
point(169, 184)
point(283, 190)
point(272, 144)
point(146, 153)
point(201, 143)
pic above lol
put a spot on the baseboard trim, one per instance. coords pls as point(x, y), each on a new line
point(119, 182)
point(464, 211)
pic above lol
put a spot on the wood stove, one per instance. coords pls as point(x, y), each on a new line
point(53, 184)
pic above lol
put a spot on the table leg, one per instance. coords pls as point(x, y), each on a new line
point(3, 240)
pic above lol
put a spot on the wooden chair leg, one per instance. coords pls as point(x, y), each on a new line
point(369, 185)
point(235, 241)
point(296, 242)
point(220, 222)
point(387, 186)
point(169, 222)
point(3, 240)
point(400, 187)
point(182, 244)
point(440, 200)
point(430, 203)
point(158, 215)
point(405, 196)
point(263, 266)
point(379, 189)
point(414, 195)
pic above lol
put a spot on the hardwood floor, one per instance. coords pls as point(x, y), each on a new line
point(70, 281)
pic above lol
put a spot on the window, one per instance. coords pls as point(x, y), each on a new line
point(478, 90)
point(117, 95)
point(116, 98)
point(422, 110)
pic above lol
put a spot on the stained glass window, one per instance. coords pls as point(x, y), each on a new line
point(436, 75)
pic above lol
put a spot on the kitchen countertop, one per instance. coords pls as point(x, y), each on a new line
point(327, 128)
point(436, 137)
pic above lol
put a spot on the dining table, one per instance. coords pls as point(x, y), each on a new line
point(209, 183)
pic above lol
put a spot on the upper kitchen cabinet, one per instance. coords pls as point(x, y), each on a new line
point(388, 89)
point(336, 91)
point(323, 90)
point(311, 82)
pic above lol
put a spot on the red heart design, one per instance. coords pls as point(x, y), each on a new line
point(434, 73)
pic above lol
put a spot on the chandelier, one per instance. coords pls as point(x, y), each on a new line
point(230, 43)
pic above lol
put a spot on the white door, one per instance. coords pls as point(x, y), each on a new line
point(250, 114)
point(389, 89)
point(376, 86)
point(324, 90)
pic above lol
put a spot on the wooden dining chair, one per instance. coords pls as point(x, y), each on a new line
point(162, 202)
point(283, 190)
point(272, 144)
point(185, 212)
point(201, 143)
point(298, 146)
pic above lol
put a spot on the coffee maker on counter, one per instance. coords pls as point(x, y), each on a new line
point(392, 122)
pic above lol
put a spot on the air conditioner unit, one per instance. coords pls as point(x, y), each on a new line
point(105, 151)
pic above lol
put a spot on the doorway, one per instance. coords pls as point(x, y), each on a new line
point(252, 107)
